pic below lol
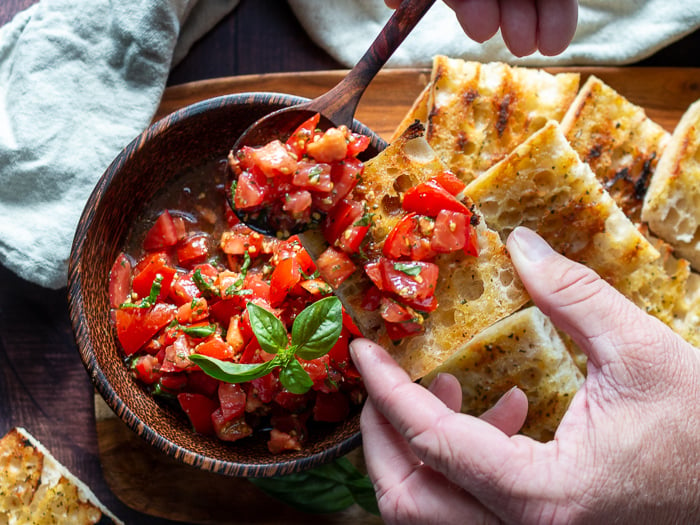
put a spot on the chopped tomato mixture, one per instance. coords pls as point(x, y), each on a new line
point(314, 179)
point(182, 289)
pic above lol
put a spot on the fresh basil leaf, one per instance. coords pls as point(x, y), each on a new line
point(233, 290)
point(199, 332)
point(152, 298)
point(204, 285)
point(329, 488)
point(408, 268)
point(317, 328)
point(232, 372)
point(269, 330)
point(294, 378)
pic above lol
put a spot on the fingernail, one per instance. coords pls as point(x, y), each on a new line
point(357, 347)
point(529, 245)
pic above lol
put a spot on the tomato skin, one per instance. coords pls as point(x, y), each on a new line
point(340, 218)
point(251, 190)
point(183, 290)
point(450, 232)
point(450, 182)
point(335, 266)
point(345, 176)
point(232, 400)
point(350, 325)
point(371, 299)
point(393, 312)
point(357, 144)
point(410, 287)
point(146, 369)
point(407, 239)
point(199, 410)
point(215, 347)
point(163, 233)
point(200, 383)
point(313, 176)
point(147, 270)
point(284, 278)
point(240, 239)
point(302, 135)
point(471, 246)
point(331, 407)
point(135, 326)
point(119, 281)
point(193, 250)
point(428, 198)
point(398, 331)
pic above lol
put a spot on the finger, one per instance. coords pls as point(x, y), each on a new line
point(556, 25)
point(519, 26)
point(509, 413)
point(579, 302)
point(392, 4)
point(478, 18)
point(447, 389)
point(482, 460)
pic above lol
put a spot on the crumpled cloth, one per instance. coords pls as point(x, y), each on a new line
point(79, 79)
point(609, 32)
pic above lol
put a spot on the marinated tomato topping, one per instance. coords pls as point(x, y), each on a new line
point(186, 297)
point(314, 178)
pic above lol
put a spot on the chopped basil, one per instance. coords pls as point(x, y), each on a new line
point(204, 285)
point(199, 332)
point(147, 302)
point(408, 268)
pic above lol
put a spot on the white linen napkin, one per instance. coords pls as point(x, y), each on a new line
point(608, 32)
point(79, 79)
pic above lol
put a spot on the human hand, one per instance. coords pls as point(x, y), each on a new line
point(627, 450)
point(526, 25)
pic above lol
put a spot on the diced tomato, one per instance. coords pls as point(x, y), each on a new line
point(195, 310)
point(335, 266)
point(146, 369)
point(471, 247)
point(410, 280)
point(215, 347)
point(428, 198)
point(398, 331)
point(240, 239)
point(147, 270)
point(281, 441)
point(374, 272)
point(345, 176)
point(119, 281)
point(330, 146)
point(260, 287)
point(222, 311)
point(177, 355)
point(193, 250)
point(284, 277)
point(272, 159)
point(232, 400)
point(303, 134)
point(317, 369)
point(427, 304)
point(234, 336)
point(305, 261)
point(266, 387)
point(331, 407)
point(135, 326)
point(393, 312)
point(371, 299)
point(183, 290)
point(230, 430)
point(340, 218)
point(173, 382)
point(201, 383)
point(410, 238)
point(199, 410)
point(313, 176)
point(317, 287)
point(450, 233)
point(297, 202)
point(339, 355)
point(292, 402)
point(162, 234)
point(357, 144)
point(450, 182)
point(350, 324)
point(251, 190)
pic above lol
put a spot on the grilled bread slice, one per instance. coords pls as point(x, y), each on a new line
point(37, 489)
point(472, 292)
point(672, 203)
point(544, 185)
point(521, 350)
point(477, 113)
point(417, 112)
point(617, 139)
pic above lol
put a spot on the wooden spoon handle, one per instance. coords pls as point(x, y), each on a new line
point(339, 104)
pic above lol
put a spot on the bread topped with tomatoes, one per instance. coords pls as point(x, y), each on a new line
point(671, 205)
point(477, 113)
point(523, 350)
point(617, 140)
point(35, 488)
point(432, 273)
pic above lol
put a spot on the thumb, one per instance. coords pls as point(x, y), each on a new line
point(604, 324)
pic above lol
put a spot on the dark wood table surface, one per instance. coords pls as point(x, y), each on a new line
point(43, 384)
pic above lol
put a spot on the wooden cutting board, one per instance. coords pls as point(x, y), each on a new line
point(159, 486)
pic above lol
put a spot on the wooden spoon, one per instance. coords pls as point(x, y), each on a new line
point(337, 106)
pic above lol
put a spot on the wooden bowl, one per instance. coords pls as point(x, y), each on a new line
point(185, 139)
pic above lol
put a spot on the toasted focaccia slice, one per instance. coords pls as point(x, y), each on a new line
point(417, 112)
point(35, 488)
point(522, 350)
point(617, 139)
point(472, 292)
point(544, 185)
point(477, 113)
point(672, 203)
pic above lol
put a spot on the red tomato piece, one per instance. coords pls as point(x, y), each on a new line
point(350, 324)
point(199, 410)
point(339, 355)
point(193, 250)
point(266, 387)
point(345, 176)
point(410, 280)
point(393, 312)
point(428, 198)
point(331, 407)
point(297, 202)
point(173, 382)
point(162, 234)
point(410, 238)
point(201, 383)
point(398, 331)
point(302, 135)
point(147, 270)
point(335, 266)
point(340, 218)
point(450, 182)
point(183, 290)
point(450, 233)
point(281, 441)
point(135, 326)
point(371, 299)
point(317, 370)
point(195, 310)
point(251, 190)
point(314, 176)
point(471, 246)
point(357, 144)
point(232, 399)
point(272, 159)
point(284, 277)
point(119, 281)
point(292, 402)
point(231, 430)
point(240, 239)
point(223, 311)
point(146, 369)
point(215, 347)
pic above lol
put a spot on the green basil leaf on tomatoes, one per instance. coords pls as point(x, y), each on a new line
point(317, 328)
point(268, 330)
point(152, 298)
point(408, 268)
point(199, 332)
point(294, 378)
point(232, 372)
